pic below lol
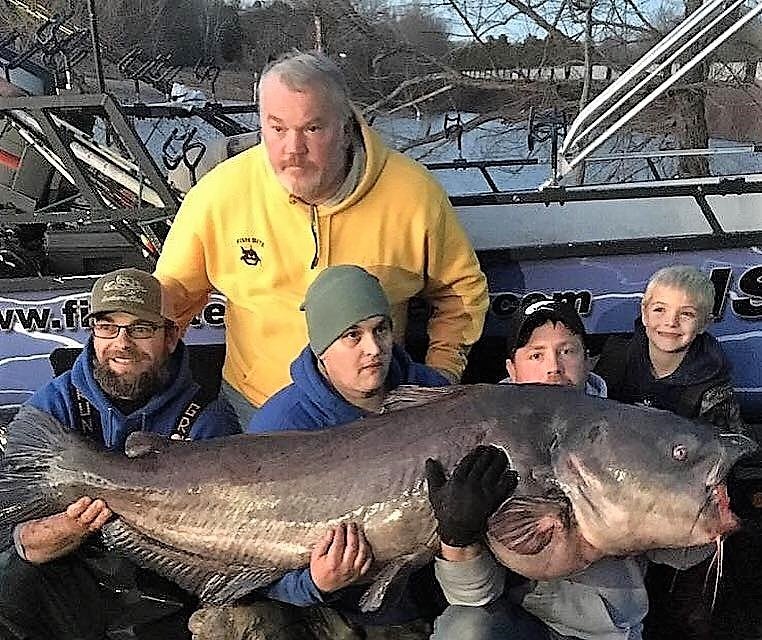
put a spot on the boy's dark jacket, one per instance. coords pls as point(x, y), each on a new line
point(699, 388)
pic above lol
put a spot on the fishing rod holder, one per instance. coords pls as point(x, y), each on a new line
point(549, 125)
point(206, 72)
point(190, 155)
point(157, 71)
point(52, 40)
point(453, 130)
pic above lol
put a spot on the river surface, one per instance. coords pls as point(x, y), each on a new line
point(494, 140)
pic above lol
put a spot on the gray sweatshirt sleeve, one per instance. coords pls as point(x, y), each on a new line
point(471, 583)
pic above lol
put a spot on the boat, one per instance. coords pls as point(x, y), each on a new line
point(81, 194)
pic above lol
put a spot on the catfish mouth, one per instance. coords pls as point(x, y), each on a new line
point(717, 513)
point(744, 488)
point(733, 485)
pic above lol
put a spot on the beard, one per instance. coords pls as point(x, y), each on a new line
point(312, 183)
point(128, 386)
point(307, 186)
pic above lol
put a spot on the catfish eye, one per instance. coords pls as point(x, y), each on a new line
point(679, 452)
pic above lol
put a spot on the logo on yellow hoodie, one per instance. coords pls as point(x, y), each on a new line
point(250, 256)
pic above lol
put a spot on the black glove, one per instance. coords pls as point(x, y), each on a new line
point(480, 483)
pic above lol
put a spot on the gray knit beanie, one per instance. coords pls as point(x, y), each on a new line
point(340, 297)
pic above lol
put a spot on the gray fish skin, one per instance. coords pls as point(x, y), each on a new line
point(222, 517)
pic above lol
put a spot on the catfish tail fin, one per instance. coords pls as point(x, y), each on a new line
point(34, 441)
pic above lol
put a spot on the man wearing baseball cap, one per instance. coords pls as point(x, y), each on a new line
point(546, 343)
point(343, 374)
point(132, 375)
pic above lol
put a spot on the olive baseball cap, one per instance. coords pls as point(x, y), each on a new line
point(129, 291)
point(341, 296)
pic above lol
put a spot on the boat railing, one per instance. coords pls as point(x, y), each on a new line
point(113, 178)
point(700, 34)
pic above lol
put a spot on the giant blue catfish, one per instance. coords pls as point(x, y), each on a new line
point(226, 516)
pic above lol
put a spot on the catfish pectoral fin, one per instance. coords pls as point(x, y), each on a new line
point(391, 580)
point(215, 583)
point(527, 524)
point(229, 586)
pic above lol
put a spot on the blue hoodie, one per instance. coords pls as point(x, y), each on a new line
point(311, 403)
point(159, 415)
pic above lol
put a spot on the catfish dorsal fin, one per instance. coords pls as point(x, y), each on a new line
point(406, 396)
point(526, 524)
point(143, 443)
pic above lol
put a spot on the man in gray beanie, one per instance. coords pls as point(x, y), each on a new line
point(343, 374)
point(339, 297)
point(350, 363)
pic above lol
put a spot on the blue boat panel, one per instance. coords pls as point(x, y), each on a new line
point(606, 290)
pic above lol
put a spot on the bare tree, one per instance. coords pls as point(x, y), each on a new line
point(433, 54)
point(611, 32)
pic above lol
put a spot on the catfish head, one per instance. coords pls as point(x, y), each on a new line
point(640, 479)
point(618, 480)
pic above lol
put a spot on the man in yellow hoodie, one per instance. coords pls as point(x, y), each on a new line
point(322, 189)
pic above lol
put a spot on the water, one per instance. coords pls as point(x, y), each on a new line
point(496, 140)
point(489, 141)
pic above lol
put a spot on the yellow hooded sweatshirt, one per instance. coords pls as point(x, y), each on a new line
point(240, 232)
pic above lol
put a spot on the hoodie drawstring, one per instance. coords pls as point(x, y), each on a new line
point(315, 236)
point(293, 199)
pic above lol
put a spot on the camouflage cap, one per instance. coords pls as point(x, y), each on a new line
point(129, 291)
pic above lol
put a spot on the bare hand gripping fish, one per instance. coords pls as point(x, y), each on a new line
point(224, 517)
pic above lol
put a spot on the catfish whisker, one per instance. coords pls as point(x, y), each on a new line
point(707, 501)
point(717, 564)
point(720, 565)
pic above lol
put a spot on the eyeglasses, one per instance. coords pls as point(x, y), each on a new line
point(138, 331)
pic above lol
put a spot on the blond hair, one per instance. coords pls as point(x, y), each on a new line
point(695, 284)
